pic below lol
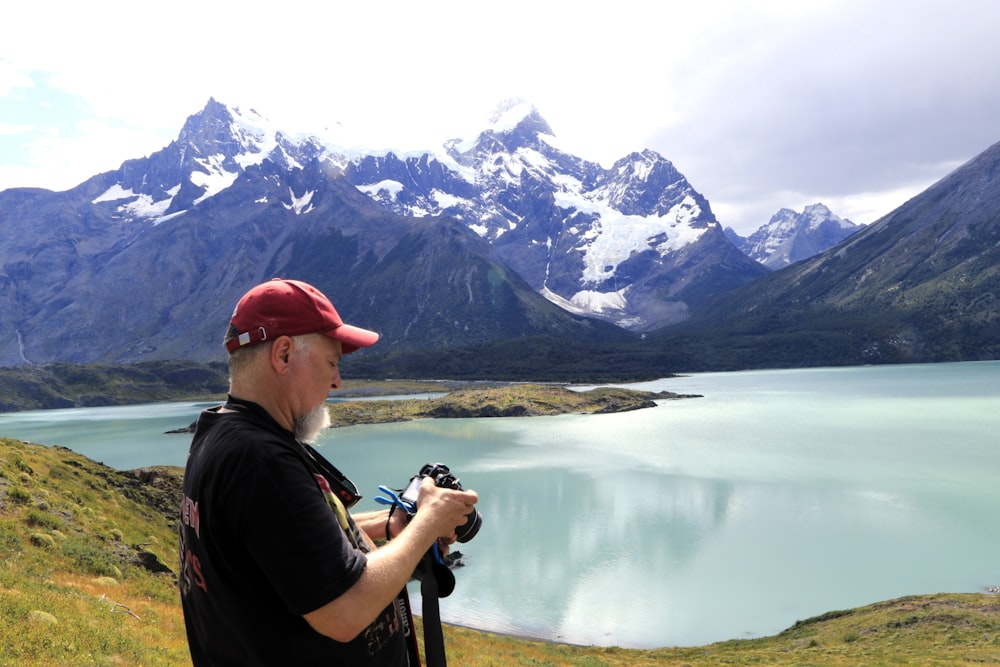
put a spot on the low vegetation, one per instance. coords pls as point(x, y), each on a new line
point(87, 577)
point(461, 399)
point(66, 385)
point(86, 560)
point(508, 400)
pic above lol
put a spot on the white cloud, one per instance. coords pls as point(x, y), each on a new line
point(13, 128)
point(12, 79)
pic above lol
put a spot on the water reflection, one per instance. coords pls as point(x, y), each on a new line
point(576, 537)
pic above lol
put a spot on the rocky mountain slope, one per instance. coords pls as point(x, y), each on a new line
point(503, 252)
point(147, 261)
point(633, 244)
point(790, 237)
point(921, 284)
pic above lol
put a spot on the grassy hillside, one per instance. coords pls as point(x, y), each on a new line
point(86, 554)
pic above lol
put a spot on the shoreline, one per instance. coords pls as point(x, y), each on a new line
point(490, 400)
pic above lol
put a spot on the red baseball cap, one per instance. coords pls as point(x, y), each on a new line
point(291, 308)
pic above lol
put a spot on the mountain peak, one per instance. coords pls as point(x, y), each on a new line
point(229, 131)
point(818, 214)
point(214, 148)
point(818, 208)
point(514, 122)
point(515, 113)
point(790, 236)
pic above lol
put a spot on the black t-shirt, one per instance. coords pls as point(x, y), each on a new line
point(261, 546)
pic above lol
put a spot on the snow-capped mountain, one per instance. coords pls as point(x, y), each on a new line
point(790, 237)
point(145, 262)
point(500, 236)
point(213, 149)
point(630, 244)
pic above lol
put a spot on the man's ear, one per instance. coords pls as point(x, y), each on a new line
point(281, 350)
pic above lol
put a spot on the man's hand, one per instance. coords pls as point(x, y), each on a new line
point(439, 511)
point(445, 508)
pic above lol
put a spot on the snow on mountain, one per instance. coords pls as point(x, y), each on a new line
point(612, 243)
point(213, 149)
point(618, 236)
point(597, 241)
point(790, 237)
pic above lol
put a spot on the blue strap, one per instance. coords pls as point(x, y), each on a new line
point(394, 500)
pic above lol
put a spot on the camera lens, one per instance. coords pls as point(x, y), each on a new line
point(468, 530)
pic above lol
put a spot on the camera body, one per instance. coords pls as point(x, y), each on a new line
point(443, 477)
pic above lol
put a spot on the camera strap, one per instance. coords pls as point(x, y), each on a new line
point(409, 629)
point(430, 591)
point(343, 487)
point(340, 485)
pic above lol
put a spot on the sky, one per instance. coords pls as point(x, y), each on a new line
point(856, 104)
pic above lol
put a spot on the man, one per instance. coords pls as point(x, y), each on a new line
point(275, 571)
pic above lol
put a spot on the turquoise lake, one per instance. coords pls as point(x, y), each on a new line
point(777, 496)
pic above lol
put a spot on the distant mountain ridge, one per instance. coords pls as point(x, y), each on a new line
point(147, 261)
point(790, 237)
point(460, 256)
point(921, 284)
point(116, 267)
point(632, 244)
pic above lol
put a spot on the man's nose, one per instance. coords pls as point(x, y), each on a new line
point(335, 381)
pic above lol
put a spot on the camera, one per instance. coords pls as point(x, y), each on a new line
point(442, 476)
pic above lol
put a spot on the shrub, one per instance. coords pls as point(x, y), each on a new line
point(92, 559)
point(18, 495)
point(21, 465)
point(10, 541)
point(38, 616)
point(60, 471)
point(42, 540)
point(43, 520)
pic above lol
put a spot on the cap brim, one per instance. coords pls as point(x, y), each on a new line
point(352, 338)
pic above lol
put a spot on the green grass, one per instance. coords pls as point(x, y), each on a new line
point(72, 591)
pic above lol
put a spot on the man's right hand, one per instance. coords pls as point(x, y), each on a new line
point(446, 508)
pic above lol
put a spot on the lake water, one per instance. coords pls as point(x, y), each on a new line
point(778, 496)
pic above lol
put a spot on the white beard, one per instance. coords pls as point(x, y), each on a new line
point(308, 427)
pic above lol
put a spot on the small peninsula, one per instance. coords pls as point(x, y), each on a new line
point(507, 400)
point(464, 400)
